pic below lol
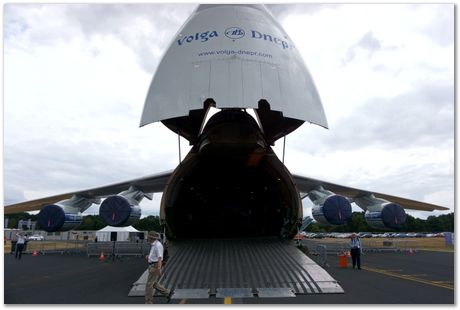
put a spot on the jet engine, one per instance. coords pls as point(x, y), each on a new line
point(329, 208)
point(64, 215)
point(391, 216)
point(122, 209)
point(381, 213)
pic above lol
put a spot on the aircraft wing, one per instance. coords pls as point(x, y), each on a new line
point(156, 183)
point(305, 184)
point(148, 184)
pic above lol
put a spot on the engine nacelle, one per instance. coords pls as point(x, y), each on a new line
point(335, 210)
point(119, 211)
point(64, 215)
point(381, 213)
point(122, 209)
point(391, 216)
point(53, 218)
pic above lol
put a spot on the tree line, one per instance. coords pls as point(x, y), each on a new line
point(356, 223)
point(89, 222)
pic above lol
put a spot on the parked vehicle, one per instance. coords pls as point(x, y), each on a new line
point(36, 237)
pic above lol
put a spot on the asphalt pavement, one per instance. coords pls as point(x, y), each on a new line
point(386, 278)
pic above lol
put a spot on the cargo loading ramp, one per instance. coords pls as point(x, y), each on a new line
point(257, 267)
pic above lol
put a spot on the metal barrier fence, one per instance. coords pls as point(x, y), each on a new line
point(368, 245)
point(117, 248)
point(320, 251)
point(44, 247)
point(82, 247)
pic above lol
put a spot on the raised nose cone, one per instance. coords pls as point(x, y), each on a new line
point(206, 6)
point(232, 56)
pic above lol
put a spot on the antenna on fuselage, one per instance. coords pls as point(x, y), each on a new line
point(284, 147)
point(178, 142)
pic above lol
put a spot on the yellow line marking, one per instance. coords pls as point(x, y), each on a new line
point(183, 301)
point(446, 282)
point(393, 270)
point(438, 250)
point(416, 275)
point(227, 300)
point(411, 278)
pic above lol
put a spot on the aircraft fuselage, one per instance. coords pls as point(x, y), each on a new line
point(231, 184)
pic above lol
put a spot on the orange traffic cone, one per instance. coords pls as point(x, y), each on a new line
point(343, 260)
point(102, 257)
point(35, 253)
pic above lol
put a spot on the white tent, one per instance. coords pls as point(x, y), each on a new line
point(123, 233)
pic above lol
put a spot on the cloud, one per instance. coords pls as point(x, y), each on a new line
point(423, 116)
point(440, 19)
point(145, 28)
point(151, 27)
point(367, 43)
point(281, 11)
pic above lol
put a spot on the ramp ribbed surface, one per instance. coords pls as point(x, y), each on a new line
point(244, 263)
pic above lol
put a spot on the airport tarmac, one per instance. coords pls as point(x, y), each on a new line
point(425, 277)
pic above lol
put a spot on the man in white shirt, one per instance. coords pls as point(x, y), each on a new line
point(155, 260)
point(355, 250)
point(20, 245)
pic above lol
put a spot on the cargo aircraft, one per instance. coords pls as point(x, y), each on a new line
point(235, 58)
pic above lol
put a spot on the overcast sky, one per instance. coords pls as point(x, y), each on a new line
point(76, 77)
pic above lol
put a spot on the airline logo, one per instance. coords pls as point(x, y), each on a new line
point(199, 36)
point(233, 33)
